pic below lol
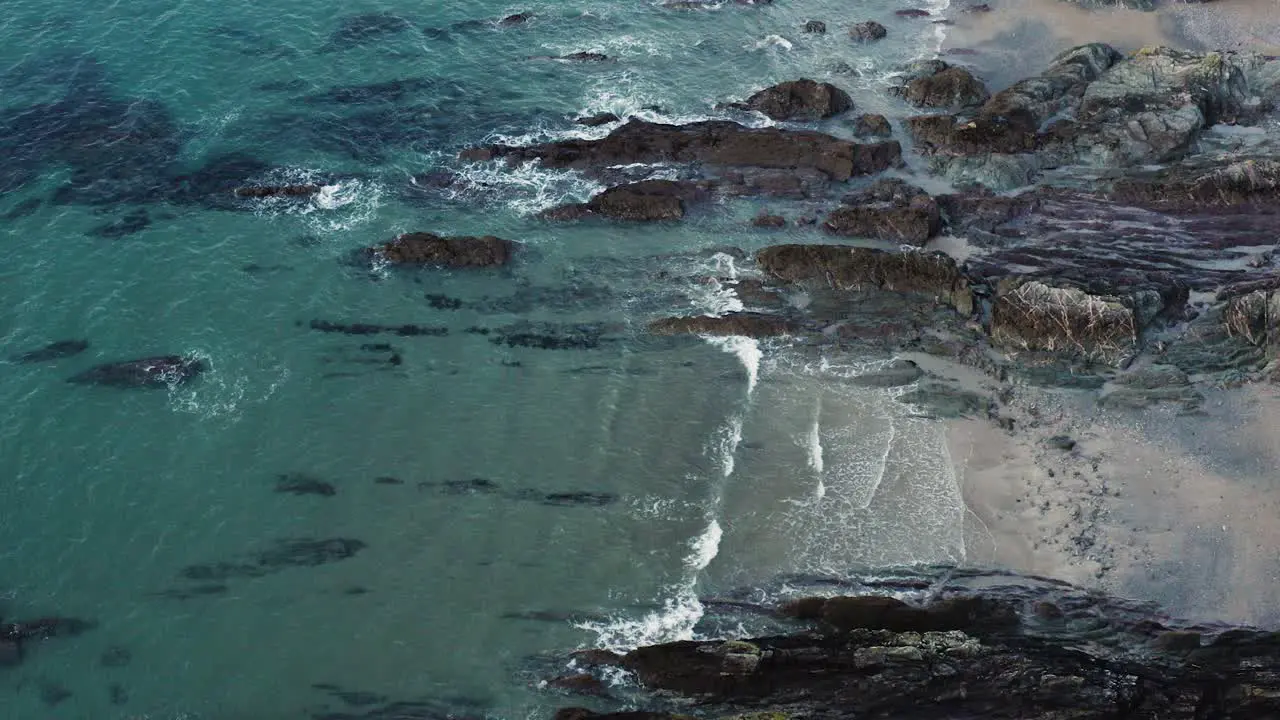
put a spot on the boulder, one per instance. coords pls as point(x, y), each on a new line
point(800, 100)
point(816, 27)
point(1066, 319)
point(868, 31)
point(889, 209)
point(712, 142)
point(845, 268)
point(948, 86)
point(872, 125)
point(746, 324)
point(424, 248)
point(647, 200)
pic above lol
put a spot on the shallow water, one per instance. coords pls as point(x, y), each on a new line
point(707, 465)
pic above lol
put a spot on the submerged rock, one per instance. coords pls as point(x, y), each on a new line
point(284, 554)
point(748, 324)
point(846, 268)
point(53, 351)
point(303, 484)
point(355, 30)
point(647, 200)
point(802, 99)
point(133, 221)
point(424, 248)
point(154, 372)
point(712, 142)
point(889, 209)
point(267, 191)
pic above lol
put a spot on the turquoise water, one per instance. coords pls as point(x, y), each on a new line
point(714, 465)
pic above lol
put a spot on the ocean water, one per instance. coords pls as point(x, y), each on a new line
point(706, 465)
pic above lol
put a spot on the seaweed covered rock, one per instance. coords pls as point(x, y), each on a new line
point(890, 209)
point(846, 268)
point(429, 249)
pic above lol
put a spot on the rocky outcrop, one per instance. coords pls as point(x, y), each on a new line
point(429, 249)
point(1071, 320)
point(1012, 650)
point(868, 31)
point(598, 119)
point(1192, 187)
point(889, 209)
point(802, 99)
point(845, 268)
point(646, 200)
point(747, 324)
point(714, 142)
point(943, 86)
point(816, 27)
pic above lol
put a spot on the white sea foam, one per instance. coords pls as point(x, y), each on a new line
point(748, 352)
point(814, 441)
point(771, 41)
point(705, 547)
point(526, 189)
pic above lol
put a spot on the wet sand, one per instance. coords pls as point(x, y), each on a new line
point(1156, 503)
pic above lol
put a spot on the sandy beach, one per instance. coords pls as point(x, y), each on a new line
point(1182, 508)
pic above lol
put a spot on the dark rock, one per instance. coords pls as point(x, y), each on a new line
point(598, 119)
point(868, 31)
point(912, 13)
point(154, 372)
point(582, 56)
point(547, 336)
point(1192, 187)
point(872, 125)
point(896, 374)
point(1177, 641)
point(980, 8)
point(390, 91)
point(53, 351)
point(294, 85)
point(443, 302)
point(44, 628)
point(644, 201)
point(945, 401)
point(423, 248)
point(947, 87)
point(283, 555)
point(302, 484)
point(388, 480)
point(267, 191)
point(355, 30)
point(712, 142)
point(571, 499)
point(117, 694)
point(802, 99)
point(769, 221)
point(816, 27)
point(581, 684)
point(374, 329)
point(889, 209)
point(472, 486)
point(598, 658)
point(132, 222)
point(516, 19)
point(746, 324)
point(1061, 442)
point(847, 268)
point(115, 656)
